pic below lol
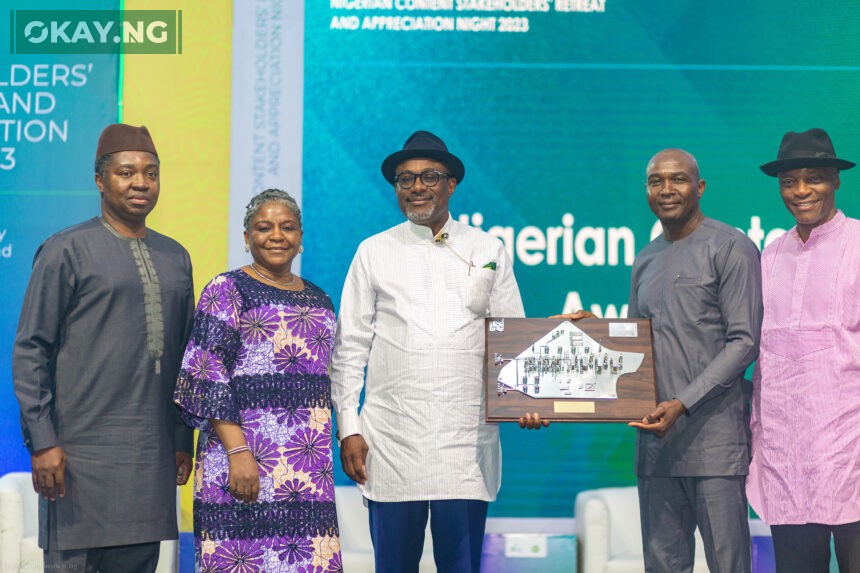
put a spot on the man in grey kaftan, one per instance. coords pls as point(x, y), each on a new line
point(99, 343)
point(700, 285)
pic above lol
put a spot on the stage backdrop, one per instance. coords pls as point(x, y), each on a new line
point(52, 109)
point(555, 108)
point(185, 99)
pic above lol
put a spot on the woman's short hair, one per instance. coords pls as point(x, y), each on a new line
point(271, 196)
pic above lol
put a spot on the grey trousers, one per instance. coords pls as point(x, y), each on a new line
point(137, 558)
point(672, 507)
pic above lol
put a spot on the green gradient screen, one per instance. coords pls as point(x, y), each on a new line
point(555, 109)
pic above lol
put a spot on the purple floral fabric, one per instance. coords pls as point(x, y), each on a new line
point(259, 356)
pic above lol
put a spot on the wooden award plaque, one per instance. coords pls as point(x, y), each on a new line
point(589, 370)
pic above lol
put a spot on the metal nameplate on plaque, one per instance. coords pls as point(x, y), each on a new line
point(577, 407)
point(599, 370)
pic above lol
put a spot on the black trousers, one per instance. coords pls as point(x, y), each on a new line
point(806, 548)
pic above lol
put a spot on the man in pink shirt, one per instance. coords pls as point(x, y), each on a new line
point(804, 477)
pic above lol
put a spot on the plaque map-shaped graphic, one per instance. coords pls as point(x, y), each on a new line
point(566, 363)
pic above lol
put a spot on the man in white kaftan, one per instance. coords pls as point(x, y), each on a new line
point(412, 313)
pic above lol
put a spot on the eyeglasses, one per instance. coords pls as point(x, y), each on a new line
point(429, 178)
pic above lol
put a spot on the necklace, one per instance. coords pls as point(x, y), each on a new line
point(274, 282)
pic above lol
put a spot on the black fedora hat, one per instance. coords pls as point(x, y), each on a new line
point(423, 144)
point(812, 148)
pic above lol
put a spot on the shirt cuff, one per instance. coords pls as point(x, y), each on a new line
point(348, 423)
point(688, 398)
point(41, 435)
point(183, 438)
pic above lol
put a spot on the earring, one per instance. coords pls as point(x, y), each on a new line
point(247, 248)
point(301, 248)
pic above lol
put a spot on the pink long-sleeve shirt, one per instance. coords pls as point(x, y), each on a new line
point(806, 403)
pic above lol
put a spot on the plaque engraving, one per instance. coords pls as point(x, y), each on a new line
point(585, 370)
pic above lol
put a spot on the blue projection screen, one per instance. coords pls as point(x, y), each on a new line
point(52, 109)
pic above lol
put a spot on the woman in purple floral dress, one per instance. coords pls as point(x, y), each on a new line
point(254, 381)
